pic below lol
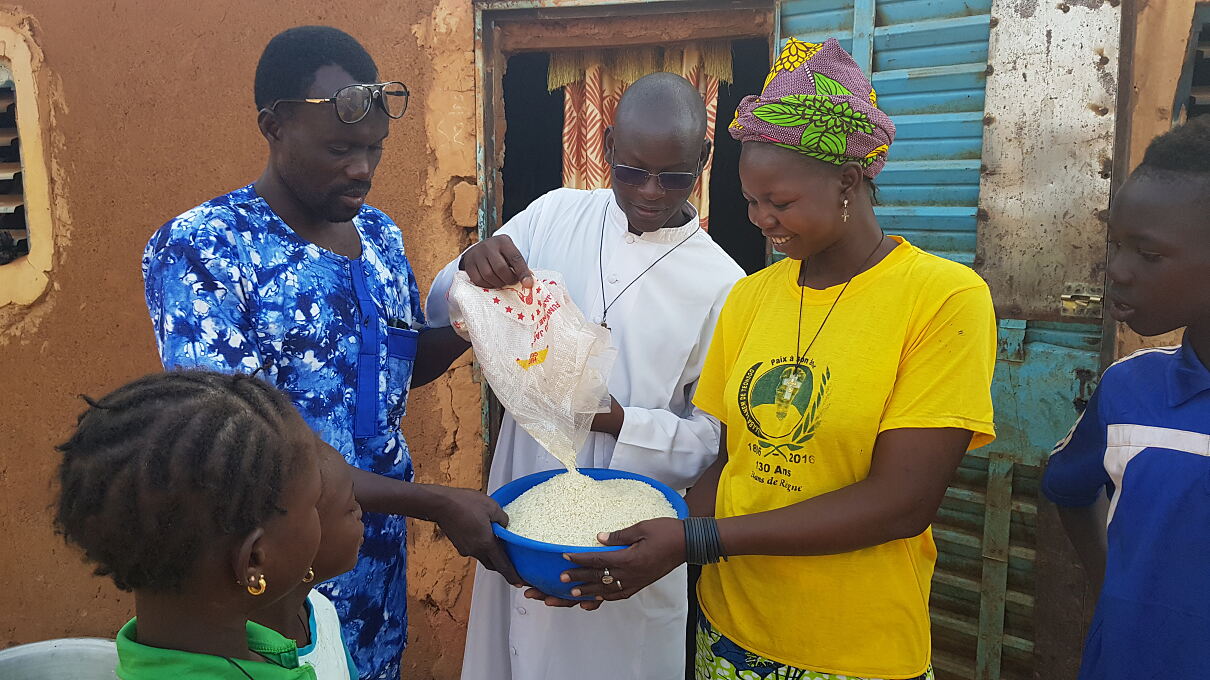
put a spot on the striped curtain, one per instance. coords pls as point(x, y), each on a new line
point(588, 108)
point(593, 82)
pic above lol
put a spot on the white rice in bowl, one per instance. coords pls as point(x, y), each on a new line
point(572, 508)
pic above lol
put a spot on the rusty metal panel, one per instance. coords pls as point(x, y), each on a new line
point(1039, 390)
point(1047, 153)
point(1042, 385)
point(984, 603)
point(983, 607)
point(1065, 598)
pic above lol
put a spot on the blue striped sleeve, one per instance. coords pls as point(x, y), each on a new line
point(1075, 473)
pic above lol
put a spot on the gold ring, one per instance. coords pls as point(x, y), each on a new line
point(606, 577)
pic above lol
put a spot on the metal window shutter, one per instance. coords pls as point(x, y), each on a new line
point(12, 200)
point(929, 61)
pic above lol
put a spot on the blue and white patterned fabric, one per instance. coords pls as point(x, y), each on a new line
point(231, 287)
point(1145, 437)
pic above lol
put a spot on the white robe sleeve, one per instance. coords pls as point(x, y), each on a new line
point(673, 448)
point(662, 445)
point(519, 229)
point(437, 304)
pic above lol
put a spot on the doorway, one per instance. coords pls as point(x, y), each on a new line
point(533, 136)
point(533, 145)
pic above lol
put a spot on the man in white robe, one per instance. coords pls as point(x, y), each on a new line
point(635, 259)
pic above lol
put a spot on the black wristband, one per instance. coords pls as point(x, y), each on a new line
point(702, 542)
point(693, 544)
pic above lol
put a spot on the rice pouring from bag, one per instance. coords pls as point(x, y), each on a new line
point(549, 367)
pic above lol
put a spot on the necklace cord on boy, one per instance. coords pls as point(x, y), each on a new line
point(241, 669)
point(305, 628)
point(601, 268)
point(792, 378)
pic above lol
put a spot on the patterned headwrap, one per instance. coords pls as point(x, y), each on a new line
point(816, 101)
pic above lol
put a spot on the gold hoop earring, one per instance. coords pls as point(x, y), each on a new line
point(844, 213)
point(259, 589)
point(309, 576)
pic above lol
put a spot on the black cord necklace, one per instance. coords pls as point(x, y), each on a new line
point(306, 628)
point(241, 669)
point(792, 379)
point(601, 268)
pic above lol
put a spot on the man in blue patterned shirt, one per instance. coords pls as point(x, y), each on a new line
point(295, 274)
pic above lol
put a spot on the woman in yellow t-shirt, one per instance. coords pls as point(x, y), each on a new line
point(851, 378)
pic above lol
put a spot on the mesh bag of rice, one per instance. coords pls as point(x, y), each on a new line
point(546, 363)
point(549, 367)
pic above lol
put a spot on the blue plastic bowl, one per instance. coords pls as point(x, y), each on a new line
point(540, 564)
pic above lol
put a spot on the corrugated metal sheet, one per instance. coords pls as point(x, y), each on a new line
point(930, 61)
point(959, 586)
point(818, 20)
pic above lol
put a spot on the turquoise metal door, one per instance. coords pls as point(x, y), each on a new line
point(931, 67)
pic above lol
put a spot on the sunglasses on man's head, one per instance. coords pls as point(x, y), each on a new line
point(669, 181)
point(353, 102)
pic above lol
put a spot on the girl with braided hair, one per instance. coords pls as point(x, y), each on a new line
point(197, 491)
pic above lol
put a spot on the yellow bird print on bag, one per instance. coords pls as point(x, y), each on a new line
point(533, 359)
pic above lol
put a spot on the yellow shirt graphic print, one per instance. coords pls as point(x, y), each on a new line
point(782, 402)
point(911, 344)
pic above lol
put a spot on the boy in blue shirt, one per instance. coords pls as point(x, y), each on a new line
point(1133, 478)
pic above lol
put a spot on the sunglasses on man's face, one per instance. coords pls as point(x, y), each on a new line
point(353, 102)
point(669, 181)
